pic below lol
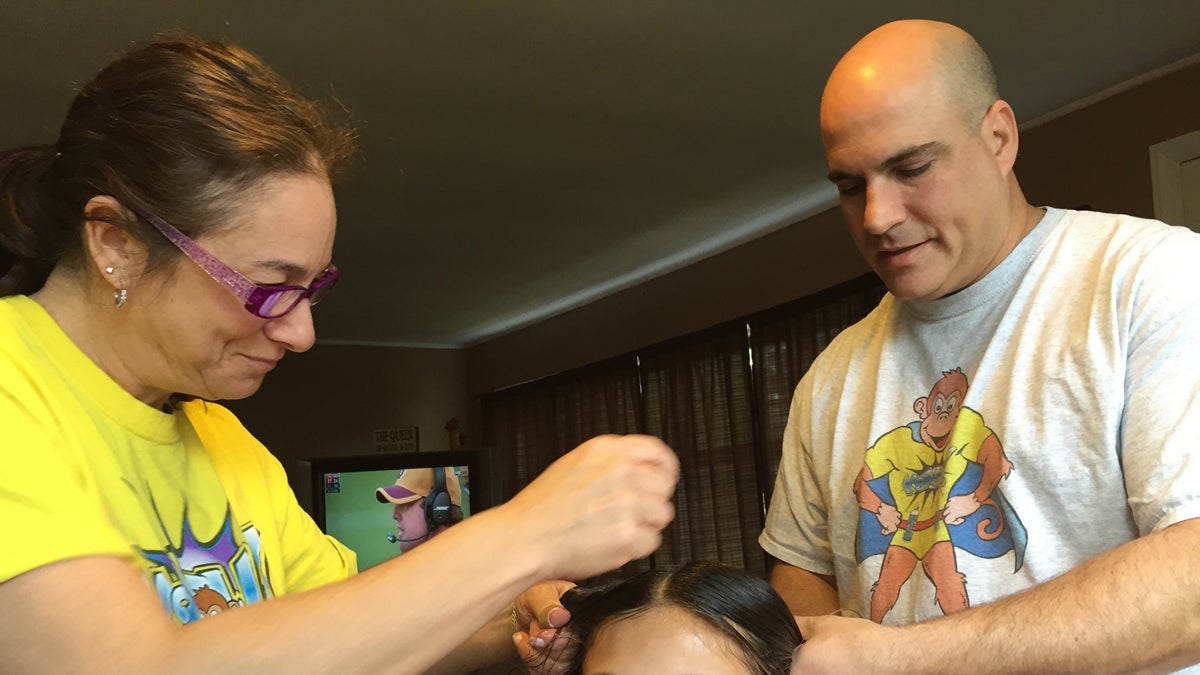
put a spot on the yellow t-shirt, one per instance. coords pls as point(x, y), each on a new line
point(191, 497)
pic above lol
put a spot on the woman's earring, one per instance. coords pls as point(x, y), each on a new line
point(109, 269)
point(119, 297)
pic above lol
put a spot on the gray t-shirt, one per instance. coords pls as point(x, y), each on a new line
point(1068, 378)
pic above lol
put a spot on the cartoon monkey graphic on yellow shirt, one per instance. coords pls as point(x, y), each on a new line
point(929, 487)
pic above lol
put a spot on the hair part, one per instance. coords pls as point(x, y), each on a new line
point(738, 605)
point(180, 127)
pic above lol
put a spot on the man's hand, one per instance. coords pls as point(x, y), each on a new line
point(833, 644)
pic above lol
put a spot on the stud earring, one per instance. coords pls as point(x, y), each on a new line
point(109, 269)
point(119, 297)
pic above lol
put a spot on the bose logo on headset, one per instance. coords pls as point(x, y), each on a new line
point(437, 502)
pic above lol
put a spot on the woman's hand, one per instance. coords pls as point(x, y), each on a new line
point(599, 506)
point(547, 648)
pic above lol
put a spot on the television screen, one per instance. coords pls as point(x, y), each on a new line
point(380, 505)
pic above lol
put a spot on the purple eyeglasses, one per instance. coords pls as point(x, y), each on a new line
point(267, 302)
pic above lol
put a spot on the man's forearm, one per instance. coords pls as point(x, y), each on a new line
point(1134, 608)
point(805, 593)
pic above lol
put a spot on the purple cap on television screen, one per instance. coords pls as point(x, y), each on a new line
point(413, 484)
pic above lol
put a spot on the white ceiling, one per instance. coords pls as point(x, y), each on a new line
point(519, 159)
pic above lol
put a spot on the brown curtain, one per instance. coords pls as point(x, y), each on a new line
point(697, 398)
point(785, 340)
point(719, 397)
point(532, 425)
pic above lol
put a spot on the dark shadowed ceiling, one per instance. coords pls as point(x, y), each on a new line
point(520, 159)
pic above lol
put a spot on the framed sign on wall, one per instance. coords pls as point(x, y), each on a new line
point(400, 439)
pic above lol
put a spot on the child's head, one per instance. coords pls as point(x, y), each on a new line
point(702, 618)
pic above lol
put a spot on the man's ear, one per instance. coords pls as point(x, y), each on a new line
point(999, 130)
point(117, 255)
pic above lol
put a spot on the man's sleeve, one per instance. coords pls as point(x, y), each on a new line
point(1160, 430)
point(797, 527)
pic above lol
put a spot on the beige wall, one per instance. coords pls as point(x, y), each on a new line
point(329, 400)
point(1100, 155)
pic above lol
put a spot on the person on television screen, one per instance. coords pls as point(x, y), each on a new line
point(704, 617)
point(164, 253)
point(998, 466)
point(426, 502)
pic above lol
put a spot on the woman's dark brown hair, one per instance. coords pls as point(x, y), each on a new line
point(179, 127)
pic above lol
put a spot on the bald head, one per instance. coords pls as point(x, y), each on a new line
point(922, 151)
point(938, 58)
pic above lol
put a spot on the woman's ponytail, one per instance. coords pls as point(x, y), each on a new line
point(31, 232)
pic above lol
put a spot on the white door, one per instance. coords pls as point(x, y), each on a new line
point(1175, 173)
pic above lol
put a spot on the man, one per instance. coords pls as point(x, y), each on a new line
point(427, 501)
point(1017, 419)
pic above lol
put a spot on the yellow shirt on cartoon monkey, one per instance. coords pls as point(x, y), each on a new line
point(920, 477)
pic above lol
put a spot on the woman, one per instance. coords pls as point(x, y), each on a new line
point(702, 618)
point(166, 253)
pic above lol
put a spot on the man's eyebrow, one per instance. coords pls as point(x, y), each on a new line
point(930, 148)
point(835, 176)
point(905, 155)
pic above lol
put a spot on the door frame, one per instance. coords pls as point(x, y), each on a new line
point(1166, 174)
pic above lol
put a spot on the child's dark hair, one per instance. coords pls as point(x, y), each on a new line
point(737, 604)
